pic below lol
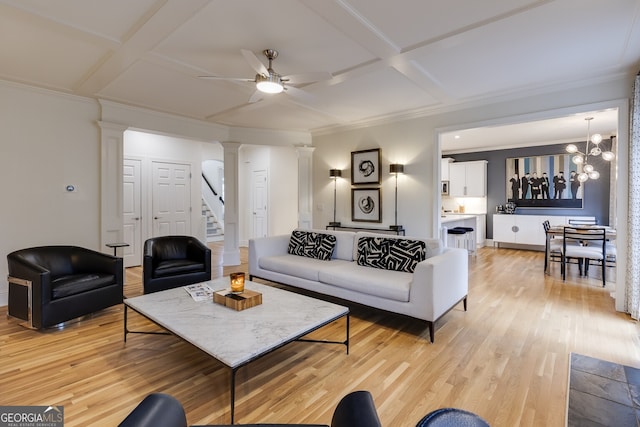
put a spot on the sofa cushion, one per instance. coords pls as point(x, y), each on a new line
point(296, 266)
point(73, 284)
point(390, 254)
point(433, 246)
point(388, 284)
point(344, 244)
point(311, 244)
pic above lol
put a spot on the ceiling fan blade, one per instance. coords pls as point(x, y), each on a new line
point(299, 94)
point(238, 79)
point(295, 79)
point(257, 96)
point(255, 63)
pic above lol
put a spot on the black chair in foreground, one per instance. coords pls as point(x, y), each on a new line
point(49, 285)
point(172, 261)
point(356, 409)
point(452, 417)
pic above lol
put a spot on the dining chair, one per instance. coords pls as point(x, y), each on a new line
point(583, 221)
point(611, 254)
point(553, 246)
point(585, 246)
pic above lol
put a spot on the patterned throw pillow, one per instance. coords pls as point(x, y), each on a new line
point(312, 245)
point(391, 254)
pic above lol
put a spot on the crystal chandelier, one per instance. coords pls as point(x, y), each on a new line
point(580, 158)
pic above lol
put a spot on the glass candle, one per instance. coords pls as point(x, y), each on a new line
point(237, 283)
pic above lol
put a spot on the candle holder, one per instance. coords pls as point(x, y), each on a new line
point(237, 283)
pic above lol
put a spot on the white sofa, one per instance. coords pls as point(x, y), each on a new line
point(437, 284)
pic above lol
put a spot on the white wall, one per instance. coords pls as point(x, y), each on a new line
point(282, 180)
point(283, 190)
point(47, 141)
point(409, 143)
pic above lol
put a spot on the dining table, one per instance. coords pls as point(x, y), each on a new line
point(558, 231)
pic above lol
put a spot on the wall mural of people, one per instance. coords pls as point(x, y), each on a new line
point(515, 186)
point(528, 183)
point(525, 185)
point(545, 186)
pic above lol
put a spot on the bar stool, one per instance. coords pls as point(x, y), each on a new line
point(459, 237)
point(469, 238)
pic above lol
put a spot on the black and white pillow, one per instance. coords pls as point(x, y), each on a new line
point(391, 254)
point(312, 245)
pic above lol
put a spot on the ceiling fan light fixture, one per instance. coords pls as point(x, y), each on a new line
point(269, 84)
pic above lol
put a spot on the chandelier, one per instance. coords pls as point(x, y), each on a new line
point(580, 158)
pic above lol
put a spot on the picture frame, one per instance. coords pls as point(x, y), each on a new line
point(547, 181)
point(365, 167)
point(366, 205)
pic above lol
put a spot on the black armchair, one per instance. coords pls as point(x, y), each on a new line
point(356, 409)
point(53, 284)
point(172, 261)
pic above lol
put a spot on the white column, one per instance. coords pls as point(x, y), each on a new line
point(231, 255)
point(305, 186)
point(111, 163)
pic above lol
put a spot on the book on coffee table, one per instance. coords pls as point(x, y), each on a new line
point(199, 291)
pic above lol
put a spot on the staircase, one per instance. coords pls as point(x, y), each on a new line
point(215, 230)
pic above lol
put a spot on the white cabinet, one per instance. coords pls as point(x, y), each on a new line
point(468, 179)
point(525, 229)
point(444, 168)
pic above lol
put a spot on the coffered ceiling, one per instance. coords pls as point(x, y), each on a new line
point(387, 58)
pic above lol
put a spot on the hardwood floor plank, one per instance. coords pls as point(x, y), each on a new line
point(505, 359)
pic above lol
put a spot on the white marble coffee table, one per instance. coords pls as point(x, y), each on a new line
point(235, 338)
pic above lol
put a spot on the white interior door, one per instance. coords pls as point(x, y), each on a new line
point(259, 203)
point(171, 199)
point(132, 213)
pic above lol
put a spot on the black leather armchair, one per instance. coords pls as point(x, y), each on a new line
point(356, 409)
point(53, 284)
point(172, 261)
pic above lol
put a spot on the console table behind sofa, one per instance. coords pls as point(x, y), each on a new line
point(398, 232)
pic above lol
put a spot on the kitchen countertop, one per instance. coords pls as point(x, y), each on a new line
point(456, 217)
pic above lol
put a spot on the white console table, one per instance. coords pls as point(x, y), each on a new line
point(526, 229)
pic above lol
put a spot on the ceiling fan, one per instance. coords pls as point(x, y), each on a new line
point(270, 82)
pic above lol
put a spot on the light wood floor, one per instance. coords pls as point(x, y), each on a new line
point(506, 358)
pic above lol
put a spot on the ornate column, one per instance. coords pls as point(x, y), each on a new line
point(231, 255)
point(305, 186)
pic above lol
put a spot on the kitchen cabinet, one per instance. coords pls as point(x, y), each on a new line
point(444, 168)
point(468, 179)
point(525, 229)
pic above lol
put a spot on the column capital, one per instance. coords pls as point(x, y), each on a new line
point(118, 127)
point(304, 151)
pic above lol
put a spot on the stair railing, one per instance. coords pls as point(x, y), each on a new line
point(215, 193)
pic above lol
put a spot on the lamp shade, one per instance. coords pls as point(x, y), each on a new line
point(335, 173)
point(396, 168)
